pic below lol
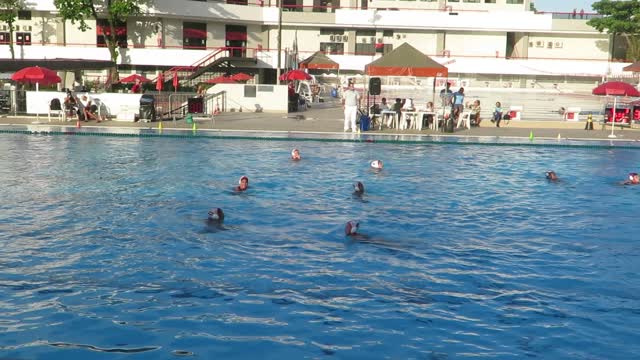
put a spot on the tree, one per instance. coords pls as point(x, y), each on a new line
point(115, 11)
point(9, 14)
point(620, 18)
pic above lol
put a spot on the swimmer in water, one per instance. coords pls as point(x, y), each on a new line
point(634, 179)
point(243, 184)
point(295, 155)
point(551, 176)
point(377, 164)
point(351, 228)
point(358, 188)
point(215, 217)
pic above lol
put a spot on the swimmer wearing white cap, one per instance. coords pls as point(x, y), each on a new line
point(377, 164)
point(551, 176)
point(215, 216)
point(358, 188)
point(243, 184)
point(634, 179)
point(295, 155)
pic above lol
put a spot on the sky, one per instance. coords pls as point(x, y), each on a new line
point(564, 5)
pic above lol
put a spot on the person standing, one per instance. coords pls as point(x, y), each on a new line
point(445, 95)
point(350, 102)
point(458, 103)
point(137, 87)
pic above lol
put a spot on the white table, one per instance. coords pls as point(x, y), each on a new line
point(418, 118)
point(393, 114)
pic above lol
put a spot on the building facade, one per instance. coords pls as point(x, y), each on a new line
point(487, 42)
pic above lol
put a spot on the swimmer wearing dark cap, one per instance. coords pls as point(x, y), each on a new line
point(633, 179)
point(243, 184)
point(215, 217)
point(551, 176)
point(358, 188)
point(295, 155)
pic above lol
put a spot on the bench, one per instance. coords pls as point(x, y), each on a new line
point(622, 125)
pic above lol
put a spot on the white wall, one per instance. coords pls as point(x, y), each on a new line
point(38, 101)
point(566, 46)
point(271, 98)
point(476, 44)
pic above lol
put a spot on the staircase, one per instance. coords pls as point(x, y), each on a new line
point(219, 60)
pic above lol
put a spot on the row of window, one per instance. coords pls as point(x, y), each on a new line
point(22, 38)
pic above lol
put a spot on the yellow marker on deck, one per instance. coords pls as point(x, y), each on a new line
point(194, 127)
point(160, 126)
point(531, 136)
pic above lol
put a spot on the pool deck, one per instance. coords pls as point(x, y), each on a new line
point(327, 118)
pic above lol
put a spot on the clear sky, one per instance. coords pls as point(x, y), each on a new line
point(564, 5)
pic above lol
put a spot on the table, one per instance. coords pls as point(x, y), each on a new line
point(393, 114)
point(419, 118)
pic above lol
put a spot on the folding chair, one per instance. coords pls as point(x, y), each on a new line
point(55, 108)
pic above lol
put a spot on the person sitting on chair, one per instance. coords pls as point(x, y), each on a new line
point(70, 104)
point(475, 113)
point(89, 108)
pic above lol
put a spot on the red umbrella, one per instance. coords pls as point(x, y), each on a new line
point(221, 80)
point(295, 75)
point(160, 81)
point(615, 88)
point(133, 78)
point(241, 77)
point(175, 81)
point(36, 75)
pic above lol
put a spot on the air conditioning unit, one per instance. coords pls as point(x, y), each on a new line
point(17, 28)
point(332, 38)
point(397, 36)
point(26, 28)
point(363, 40)
point(3, 28)
point(345, 38)
point(338, 38)
point(379, 40)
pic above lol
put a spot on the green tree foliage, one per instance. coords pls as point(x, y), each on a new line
point(620, 18)
point(114, 11)
point(8, 15)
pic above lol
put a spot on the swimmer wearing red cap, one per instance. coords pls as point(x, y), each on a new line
point(377, 164)
point(243, 184)
point(295, 155)
point(633, 179)
point(551, 176)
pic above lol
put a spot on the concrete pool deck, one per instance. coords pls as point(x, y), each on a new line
point(328, 118)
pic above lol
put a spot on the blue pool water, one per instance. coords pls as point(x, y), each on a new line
point(472, 254)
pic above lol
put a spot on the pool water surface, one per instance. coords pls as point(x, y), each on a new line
point(471, 253)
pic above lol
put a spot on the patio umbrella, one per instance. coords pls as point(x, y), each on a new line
point(221, 80)
point(175, 81)
point(133, 78)
point(36, 75)
point(241, 77)
point(295, 75)
point(160, 81)
point(615, 88)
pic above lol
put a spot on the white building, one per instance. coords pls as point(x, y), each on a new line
point(484, 42)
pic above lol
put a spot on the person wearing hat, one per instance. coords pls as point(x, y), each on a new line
point(633, 179)
point(551, 175)
point(243, 184)
point(295, 155)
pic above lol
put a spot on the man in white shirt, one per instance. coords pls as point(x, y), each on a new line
point(89, 108)
point(350, 102)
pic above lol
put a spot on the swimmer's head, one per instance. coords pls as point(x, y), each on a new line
point(295, 154)
point(377, 164)
point(634, 178)
point(358, 187)
point(243, 183)
point(216, 215)
point(351, 228)
point(551, 175)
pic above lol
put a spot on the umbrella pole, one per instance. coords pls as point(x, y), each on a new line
point(613, 117)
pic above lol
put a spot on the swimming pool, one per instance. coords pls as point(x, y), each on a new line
point(104, 253)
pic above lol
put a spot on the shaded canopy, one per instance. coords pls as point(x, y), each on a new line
point(616, 88)
point(635, 67)
point(406, 61)
point(318, 61)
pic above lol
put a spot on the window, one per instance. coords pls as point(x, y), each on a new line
point(489, 1)
point(23, 38)
point(513, 1)
point(471, 1)
point(194, 35)
point(387, 33)
point(332, 48)
point(103, 29)
point(4, 38)
point(327, 31)
point(365, 49)
point(24, 15)
point(367, 33)
point(250, 91)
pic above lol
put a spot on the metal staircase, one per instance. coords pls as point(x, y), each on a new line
point(221, 60)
